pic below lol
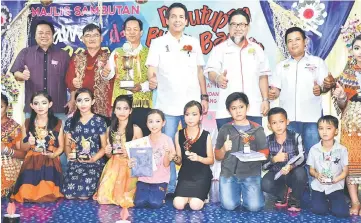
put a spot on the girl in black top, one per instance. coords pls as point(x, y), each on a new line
point(194, 152)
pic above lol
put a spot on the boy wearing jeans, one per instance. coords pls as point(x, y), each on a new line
point(240, 179)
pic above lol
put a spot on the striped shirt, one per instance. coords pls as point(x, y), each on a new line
point(292, 146)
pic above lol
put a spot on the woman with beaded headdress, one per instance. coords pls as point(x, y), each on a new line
point(348, 97)
point(11, 155)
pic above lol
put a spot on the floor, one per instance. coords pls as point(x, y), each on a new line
point(77, 211)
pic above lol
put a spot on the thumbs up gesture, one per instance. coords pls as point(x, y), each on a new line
point(153, 83)
point(108, 148)
point(316, 89)
point(329, 82)
point(221, 80)
point(273, 93)
point(26, 73)
point(281, 156)
point(31, 139)
point(339, 92)
point(77, 82)
point(227, 144)
point(106, 70)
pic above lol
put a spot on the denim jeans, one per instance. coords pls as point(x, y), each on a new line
point(231, 189)
point(222, 121)
point(170, 129)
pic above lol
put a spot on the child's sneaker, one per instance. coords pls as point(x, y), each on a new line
point(294, 204)
point(282, 202)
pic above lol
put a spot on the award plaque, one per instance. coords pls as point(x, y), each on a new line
point(128, 62)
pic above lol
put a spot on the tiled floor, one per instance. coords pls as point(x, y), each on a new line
point(69, 211)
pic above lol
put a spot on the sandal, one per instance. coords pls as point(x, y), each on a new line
point(355, 209)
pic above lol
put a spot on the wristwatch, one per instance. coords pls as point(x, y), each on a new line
point(265, 99)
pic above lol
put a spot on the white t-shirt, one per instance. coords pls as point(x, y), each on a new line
point(296, 81)
point(244, 67)
point(177, 72)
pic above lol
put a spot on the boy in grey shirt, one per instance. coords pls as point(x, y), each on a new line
point(328, 161)
point(240, 178)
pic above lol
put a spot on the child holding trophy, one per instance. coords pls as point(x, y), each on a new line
point(40, 178)
point(116, 186)
point(328, 161)
point(195, 153)
point(85, 137)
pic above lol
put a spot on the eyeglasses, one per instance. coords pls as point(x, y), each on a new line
point(237, 25)
point(92, 36)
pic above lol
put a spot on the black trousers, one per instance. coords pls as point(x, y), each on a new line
point(296, 179)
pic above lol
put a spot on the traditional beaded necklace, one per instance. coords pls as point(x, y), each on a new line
point(189, 141)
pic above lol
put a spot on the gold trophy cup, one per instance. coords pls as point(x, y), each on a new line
point(128, 62)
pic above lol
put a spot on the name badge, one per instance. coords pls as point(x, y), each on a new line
point(247, 149)
point(54, 62)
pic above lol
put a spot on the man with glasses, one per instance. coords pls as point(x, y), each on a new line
point(239, 65)
point(85, 70)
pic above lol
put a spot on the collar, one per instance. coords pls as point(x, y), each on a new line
point(252, 130)
point(231, 43)
point(51, 48)
point(289, 136)
point(170, 36)
point(86, 52)
point(319, 146)
point(305, 57)
point(138, 49)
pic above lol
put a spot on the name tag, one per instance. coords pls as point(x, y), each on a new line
point(54, 62)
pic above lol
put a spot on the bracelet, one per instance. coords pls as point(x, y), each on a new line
point(176, 158)
point(205, 97)
point(343, 99)
point(11, 153)
point(5, 152)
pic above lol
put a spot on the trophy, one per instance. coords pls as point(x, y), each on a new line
point(85, 153)
point(128, 62)
point(72, 154)
point(117, 145)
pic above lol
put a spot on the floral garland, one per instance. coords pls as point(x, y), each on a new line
point(349, 31)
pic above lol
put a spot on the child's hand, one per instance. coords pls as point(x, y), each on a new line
point(227, 144)
point(31, 139)
point(281, 156)
point(132, 162)
point(286, 169)
point(320, 177)
point(108, 148)
point(193, 157)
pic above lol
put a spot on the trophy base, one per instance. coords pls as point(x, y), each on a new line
point(126, 84)
point(117, 151)
point(15, 218)
point(84, 157)
point(72, 156)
